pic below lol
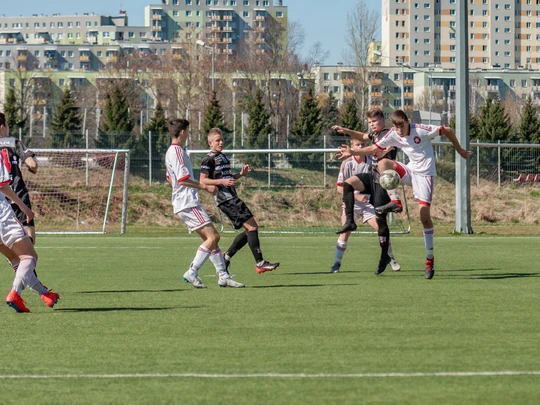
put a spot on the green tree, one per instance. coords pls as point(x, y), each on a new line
point(306, 133)
point(12, 112)
point(213, 116)
point(66, 124)
point(494, 123)
point(117, 123)
point(330, 117)
point(258, 129)
point(157, 126)
point(529, 126)
point(349, 115)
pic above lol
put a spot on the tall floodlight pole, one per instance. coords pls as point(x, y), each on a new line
point(213, 52)
point(463, 167)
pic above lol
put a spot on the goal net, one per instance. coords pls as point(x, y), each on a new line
point(79, 190)
point(289, 191)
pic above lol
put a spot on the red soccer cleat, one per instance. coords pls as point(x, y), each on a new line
point(15, 301)
point(50, 298)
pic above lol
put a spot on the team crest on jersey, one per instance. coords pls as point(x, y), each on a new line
point(417, 140)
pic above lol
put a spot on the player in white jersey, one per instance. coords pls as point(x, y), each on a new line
point(185, 202)
point(362, 207)
point(420, 172)
point(15, 243)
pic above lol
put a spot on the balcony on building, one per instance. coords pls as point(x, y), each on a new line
point(177, 52)
point(112, 55)
point(11, 37)
point(50, 54)
point(43, 38)
point(22, 55)
point(92, 37)
point(260, 15)
point(492, 88)
point(535, 90)
point(157, 17)
point(84, 55)
point(375, 78)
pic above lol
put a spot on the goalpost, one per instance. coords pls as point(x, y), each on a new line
point(79, 191)
point(299, 191)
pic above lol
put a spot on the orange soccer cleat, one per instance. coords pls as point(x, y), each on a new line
point(15, 301)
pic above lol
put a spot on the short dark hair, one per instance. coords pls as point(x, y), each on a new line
point(2, 119)
point(375, 113)
point(399, 118)
point(176, 125)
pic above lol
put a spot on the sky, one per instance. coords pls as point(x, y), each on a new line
point(322, 20)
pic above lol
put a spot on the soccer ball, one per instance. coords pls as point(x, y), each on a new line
point(389, 179)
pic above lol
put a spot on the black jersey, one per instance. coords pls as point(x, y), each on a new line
point(216, 166)
point(14, 153)
point(391, 154)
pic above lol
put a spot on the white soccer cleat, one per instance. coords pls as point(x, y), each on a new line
point(229, 282)
point(395, 265)
point(193, 279)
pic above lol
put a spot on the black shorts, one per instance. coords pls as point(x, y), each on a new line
point(378, 195)
point(21, 216)
point(237, 211)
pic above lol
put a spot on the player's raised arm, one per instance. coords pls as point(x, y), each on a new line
point(446, 131)
point(361, 136)
point(345, 151)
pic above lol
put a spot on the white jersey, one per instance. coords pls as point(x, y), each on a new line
point(417, 146)
point(351, 166)
point(179, 168)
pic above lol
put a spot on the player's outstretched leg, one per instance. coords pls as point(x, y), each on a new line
point(238, 243)
point(348, 200)
point(384, 241)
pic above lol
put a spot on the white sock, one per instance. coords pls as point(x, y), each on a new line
point(216, 257)
point(429, 233)
point(35, 285)
point(200, 258)
point(393, 194)
point(26, 268)
point(341, 246)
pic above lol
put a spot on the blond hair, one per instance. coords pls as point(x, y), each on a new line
point(214, 131)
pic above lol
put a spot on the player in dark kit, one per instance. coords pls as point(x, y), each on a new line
point(14, 152)
point(216, 171)
point(384, 200)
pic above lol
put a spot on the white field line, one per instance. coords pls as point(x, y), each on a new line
point(272, 375)
point(101, 247)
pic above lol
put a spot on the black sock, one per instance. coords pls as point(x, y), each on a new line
point(255, 246)
point(348, 199)
point(238, 243)
point(384, 235)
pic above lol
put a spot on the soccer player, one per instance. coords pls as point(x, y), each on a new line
point(216, 171)
point(15, 153)
point(419, 173)
point(15, 243)
point(185, 201)
point(362, 207)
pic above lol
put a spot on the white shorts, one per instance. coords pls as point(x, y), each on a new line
point(423, 186)
point(194, 217)
point(361, 209)
point(11, 230)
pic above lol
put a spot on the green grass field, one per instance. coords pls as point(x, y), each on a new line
point(128, 330)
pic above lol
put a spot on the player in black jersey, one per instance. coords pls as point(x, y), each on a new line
point(384, 200)
point(216, 171)
point(14, 153)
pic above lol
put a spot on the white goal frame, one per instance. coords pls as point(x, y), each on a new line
point(87, 161)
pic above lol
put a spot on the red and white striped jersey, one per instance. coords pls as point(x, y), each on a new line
point(179, 168)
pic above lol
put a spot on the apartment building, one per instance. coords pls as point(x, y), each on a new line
point(503, 34)
point(222, 24)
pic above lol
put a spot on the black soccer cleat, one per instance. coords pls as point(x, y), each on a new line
point(392, 206)
point(382, 265)
point(348, 227)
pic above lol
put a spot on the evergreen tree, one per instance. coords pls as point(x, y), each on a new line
point(494, 123)
point(529, 132)
point(349, 115)
point(213, 116)
point(159, 129)
point(330, 117)
point(529, 126)
point(117, 123)
point(258, 129)
point(306, 133)
point(66, 124)
point(12, 112)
